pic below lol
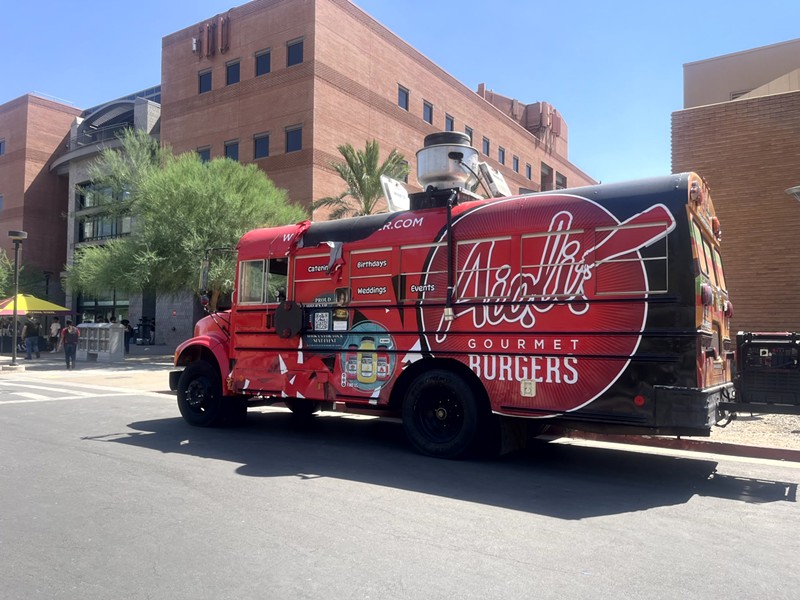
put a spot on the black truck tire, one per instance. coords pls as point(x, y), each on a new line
point(441, 415)
point(200, 397)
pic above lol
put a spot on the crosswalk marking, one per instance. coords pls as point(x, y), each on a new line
point(26, 391)
point(32, 398)
point(57, 388)
point(31, 395)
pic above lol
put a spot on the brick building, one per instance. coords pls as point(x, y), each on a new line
point(282, 83)
point(741, 131)
point(33, 132)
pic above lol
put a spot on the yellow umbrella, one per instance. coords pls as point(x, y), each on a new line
point(29, 304)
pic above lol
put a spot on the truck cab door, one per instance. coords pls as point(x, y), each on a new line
point(262, 354)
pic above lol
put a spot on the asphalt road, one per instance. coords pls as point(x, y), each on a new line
point(106, 493)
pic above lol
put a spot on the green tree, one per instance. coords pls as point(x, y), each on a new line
point(361, 171)
point(6, 275)
point(117, 174)
point(180, 209)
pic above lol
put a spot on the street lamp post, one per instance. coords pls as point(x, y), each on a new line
point(17, 237)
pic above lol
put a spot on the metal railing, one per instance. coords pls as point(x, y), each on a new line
point(95, 136)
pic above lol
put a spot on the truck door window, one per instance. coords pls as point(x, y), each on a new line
point(277, 280)
point(251, 282)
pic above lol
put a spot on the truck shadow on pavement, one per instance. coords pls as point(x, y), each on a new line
point(562, 481)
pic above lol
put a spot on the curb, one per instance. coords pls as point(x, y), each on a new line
point(687, 444)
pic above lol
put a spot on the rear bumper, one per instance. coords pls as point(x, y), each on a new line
point(690, 408)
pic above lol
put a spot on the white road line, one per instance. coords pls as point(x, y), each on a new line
point(30, 396)
point(55, 388)
point(60, 385)
point(47, 399)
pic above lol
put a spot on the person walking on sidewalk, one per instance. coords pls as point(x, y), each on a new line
point(127, 335)
point(55, 334)
point(30, 333)
point(69, 341)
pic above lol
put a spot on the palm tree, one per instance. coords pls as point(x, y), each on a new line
point(362, 174)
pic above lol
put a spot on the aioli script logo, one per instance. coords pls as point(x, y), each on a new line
point(559, 277)
point(525, 302)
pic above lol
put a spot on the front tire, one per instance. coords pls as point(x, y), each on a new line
point(441, 415)
point(200, 395)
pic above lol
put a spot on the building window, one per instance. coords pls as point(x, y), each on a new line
point(449, 123)
point(89, 195)
point(427, 112)
point(2, 147)
point(546, 181)
point(501, 155)
point(294, 138)
point(232, 150)
point(263, 62)
point(487, 147)
point(468, 131)
point(204, 153)
point(204, 82)
point(402, 97)
point(294, 53)
point(528, 171)
point(515, 163)
point(232, 73)
point(103, 227)
point(561, 181)
point(261, 145)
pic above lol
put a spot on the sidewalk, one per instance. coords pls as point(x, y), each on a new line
point(146, 368)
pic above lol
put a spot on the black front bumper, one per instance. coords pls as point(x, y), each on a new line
point(174, 377)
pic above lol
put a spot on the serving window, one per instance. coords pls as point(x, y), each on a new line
point(618, 250)
point(421, 279)
point(553, 264)
point(484, 269)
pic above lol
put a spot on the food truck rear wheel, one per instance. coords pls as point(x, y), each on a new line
point(441, 414)
point(200, 395)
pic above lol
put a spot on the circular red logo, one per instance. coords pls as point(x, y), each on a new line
point(549, 297)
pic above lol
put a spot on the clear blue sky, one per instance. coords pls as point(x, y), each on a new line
point(613, 69)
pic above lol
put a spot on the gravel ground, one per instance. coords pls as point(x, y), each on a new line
point(770, 431)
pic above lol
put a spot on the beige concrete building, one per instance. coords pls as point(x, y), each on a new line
point(740, 129)
point(748, 74)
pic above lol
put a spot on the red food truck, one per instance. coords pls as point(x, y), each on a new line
point(601, 308)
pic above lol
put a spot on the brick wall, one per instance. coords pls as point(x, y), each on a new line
point(345, 91)
point(749, 153)
point(35, 200)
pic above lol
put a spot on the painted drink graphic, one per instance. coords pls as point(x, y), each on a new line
point(367, 359)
